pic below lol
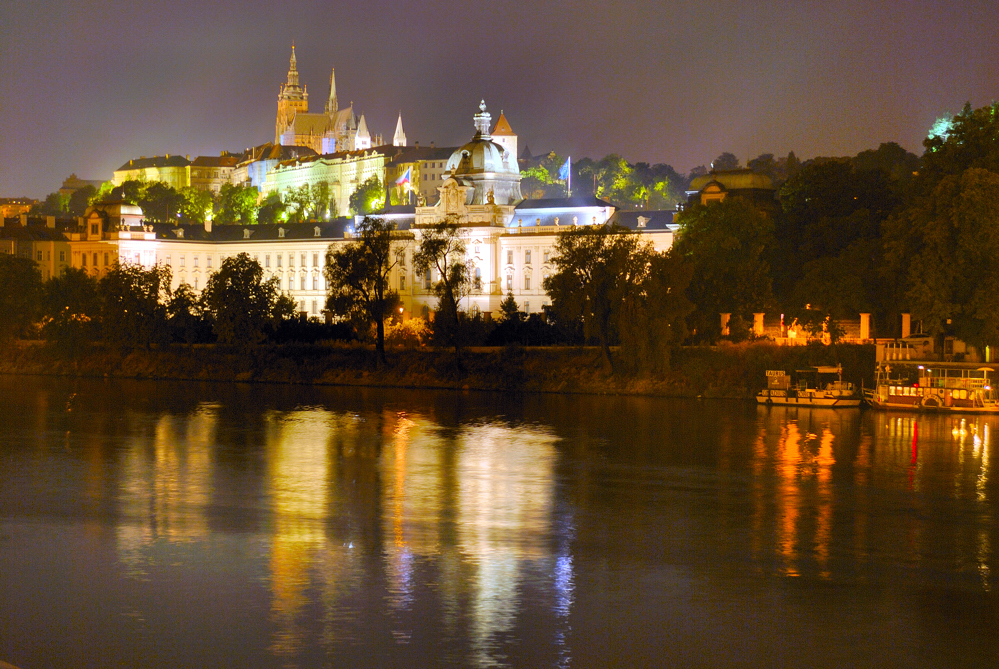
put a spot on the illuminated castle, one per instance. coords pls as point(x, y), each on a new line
point(329, 132)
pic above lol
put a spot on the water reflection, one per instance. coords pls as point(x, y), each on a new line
point(165, 484)
point(352, 528)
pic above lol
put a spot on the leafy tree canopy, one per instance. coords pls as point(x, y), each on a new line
point(237, 205)
point(358, 273)
point(596, 267)
point(442, 253)
point(133, 304)
point(368, 198)
point(726, 161)
point(971, 139)
point(725, 243)
point(953, 273)
point(20, 295)
point(241, 303)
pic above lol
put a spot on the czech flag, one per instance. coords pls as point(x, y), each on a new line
point(406, 178)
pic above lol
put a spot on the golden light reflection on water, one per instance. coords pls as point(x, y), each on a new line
point(505, 502)
point(298, 469)
point(166, 479)
point(799, 508)
point(792, 465)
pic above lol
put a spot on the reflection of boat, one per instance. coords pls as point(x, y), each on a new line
point(933, 386)
point(821, 392)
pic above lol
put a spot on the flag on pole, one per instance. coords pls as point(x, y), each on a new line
point(563, 172)
point(406, 178)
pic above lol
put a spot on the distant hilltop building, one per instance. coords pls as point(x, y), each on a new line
point(744, 183)
point(204, 172)
point(332, 131)
point(74, 183)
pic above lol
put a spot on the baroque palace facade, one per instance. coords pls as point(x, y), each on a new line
point(509, 240)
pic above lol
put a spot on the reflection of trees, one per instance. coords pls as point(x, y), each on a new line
point(165, 484)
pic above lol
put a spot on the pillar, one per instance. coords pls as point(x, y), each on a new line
point(865, 327)
point(758, 324)
point(724, 324)
point(906, 325)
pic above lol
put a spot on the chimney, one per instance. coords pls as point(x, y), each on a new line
point(208, 224)
point(50, 222)
point(24, 220)
point(416, 144)
point(432, 146)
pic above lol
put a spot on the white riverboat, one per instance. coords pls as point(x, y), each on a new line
point(815, 387)
point(913, 385)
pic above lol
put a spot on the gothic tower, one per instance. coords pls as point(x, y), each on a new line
point(331, 106)
point(399, 139)
point(292, 99)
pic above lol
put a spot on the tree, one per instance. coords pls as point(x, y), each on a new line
point(272, 209)
point(71, 306)
point(725, 242)
point(943, 243)
point(970, 139)
point(652, 322)
point(726, 161)
point(20, 295)
point(442, 252)
point(160, 203)
point(953, 277)
point(196, 205)
point(509, 311)
point(186, 318)
point(54, 204)
point(323, 201)
point(133, 304)
point(237, 205)
point(540, 179)
point(299, 203)
point(368, 198)
point(241, 303)
point(358, 274)
point(80, 200)
point(596, 267)
point(73, 290)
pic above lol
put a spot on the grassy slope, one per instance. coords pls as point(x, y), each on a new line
point(729, 371)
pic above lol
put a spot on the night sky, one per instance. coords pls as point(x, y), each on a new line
point(84, 86)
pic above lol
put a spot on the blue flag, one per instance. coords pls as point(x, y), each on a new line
point(563, 172)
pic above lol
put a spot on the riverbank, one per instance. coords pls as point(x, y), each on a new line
point(735, 371)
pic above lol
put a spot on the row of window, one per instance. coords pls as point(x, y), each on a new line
point(303, 259)
point(428, 283)
point(547, 256)
point(48, 256)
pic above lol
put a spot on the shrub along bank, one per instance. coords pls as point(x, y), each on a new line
point(736, 371)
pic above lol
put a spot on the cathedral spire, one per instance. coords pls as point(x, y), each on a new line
point(331, 106)
point(362, 140)
point(293, 68)
point(400, 136)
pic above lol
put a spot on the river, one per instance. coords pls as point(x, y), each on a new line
point(161, 524)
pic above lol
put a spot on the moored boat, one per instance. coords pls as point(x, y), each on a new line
point(814, 388)
point(913, 385)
